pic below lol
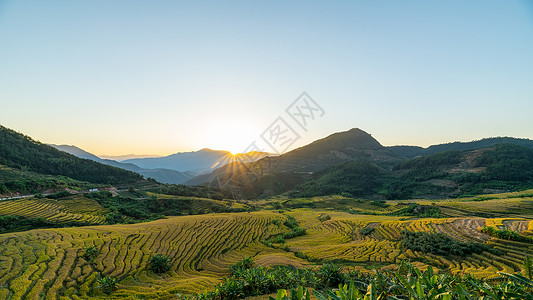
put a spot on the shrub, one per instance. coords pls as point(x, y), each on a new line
point(244, 264)
point(367, 230)
point(506, 234)
point(330, 275)
point(439, 244)
point(107, 284)
point(160, 263)
point(58, 195)
point(91, 252)
point(323, 218)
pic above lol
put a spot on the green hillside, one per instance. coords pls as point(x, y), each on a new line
point(504, 167)
point(414, 151)
point(21, 152)
point(13, 181)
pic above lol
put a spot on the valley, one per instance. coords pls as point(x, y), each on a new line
point(266, 150)
point(341, 203)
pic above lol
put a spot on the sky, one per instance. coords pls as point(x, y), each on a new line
point(160, 77)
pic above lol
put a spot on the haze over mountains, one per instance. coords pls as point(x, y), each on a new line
point(173, 169)
point(201, 161)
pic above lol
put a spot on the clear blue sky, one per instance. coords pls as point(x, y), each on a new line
point(158, 77)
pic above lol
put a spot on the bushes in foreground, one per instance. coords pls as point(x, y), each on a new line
point(246, 280)
point(408, 282)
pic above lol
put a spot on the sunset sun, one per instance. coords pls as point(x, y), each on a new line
point(232, 136)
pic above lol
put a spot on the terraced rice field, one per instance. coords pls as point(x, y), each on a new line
point(71, 209)
point(49, 263)
point(340, 239)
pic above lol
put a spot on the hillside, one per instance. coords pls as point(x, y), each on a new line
point(501, 168)
point(21, 152)
point(13, 180)
point(161, 174)
point(414, 151)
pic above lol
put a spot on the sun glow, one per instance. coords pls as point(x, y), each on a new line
point(229, 136)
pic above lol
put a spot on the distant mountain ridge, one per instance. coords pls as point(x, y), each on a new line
point(201, 161)
point(414, 151)
point(161, 175)
point(205, 159)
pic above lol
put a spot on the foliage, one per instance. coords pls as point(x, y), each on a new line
point(14, 180)
point(160, 263)
point(107, 284)
point(261, 280)
point(324, 217)
point(507, 162)
point(346, 292)
point(244, 264)
point(123, 208)
point(408, 282)
point(58, 195)
point(351, 178)
point(9, 223)
point(439, 244)
point(504, 167)
point(295, 294)
point(505, 234)
point(367, 230)
point(193, 191)
point(329, 275)
point(380, 203)
point(414, 151)
point(291, 223)
point(421, 211)
point(430, 164)
point(91, 252)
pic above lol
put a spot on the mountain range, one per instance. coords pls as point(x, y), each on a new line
point(160, 174)
point(201, 161)
point(173, 169)
point(357, 155)
point(350, 162)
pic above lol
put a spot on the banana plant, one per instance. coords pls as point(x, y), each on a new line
point(295, 294)
point(349, 292)
point(427, 285)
